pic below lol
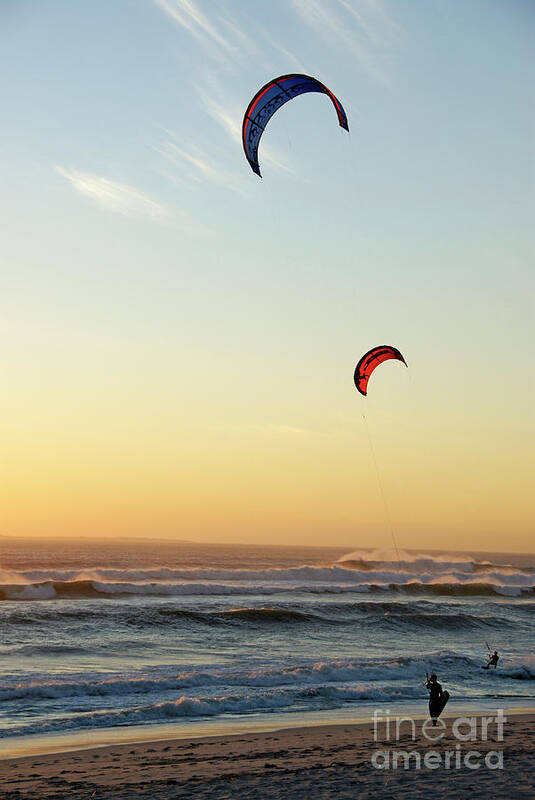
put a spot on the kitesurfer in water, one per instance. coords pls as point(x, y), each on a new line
point(435, 696)
point(493, 660)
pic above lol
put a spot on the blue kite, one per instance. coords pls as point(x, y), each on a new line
point(269, 99)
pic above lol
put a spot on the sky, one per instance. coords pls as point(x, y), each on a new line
point(179, 336)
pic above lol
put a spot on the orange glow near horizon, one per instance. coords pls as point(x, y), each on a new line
point(131, 473)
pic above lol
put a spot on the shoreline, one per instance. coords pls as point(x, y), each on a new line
point(89, 739)
point(292, 763)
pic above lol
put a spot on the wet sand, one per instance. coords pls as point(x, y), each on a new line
point(302, 763)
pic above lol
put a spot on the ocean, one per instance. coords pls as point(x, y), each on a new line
point(102, 635)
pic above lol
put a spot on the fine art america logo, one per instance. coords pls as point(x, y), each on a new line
point(462, 752)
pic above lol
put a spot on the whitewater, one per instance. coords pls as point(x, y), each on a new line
point(107, 635)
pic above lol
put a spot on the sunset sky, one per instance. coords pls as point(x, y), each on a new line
point(179, 336)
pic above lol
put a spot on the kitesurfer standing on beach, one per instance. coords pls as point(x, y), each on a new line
point(435, 697)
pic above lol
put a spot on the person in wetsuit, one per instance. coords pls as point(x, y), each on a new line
point(493, 660)
point(435, 696)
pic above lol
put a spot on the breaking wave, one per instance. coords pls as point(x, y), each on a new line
point(398, 669)
point(224, 690)
point(424, 562)
point(333, 580)
point(186, 706)
point(411, 574)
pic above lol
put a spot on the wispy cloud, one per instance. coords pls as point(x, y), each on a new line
point(228, 116)
point(363, 27)
point(117, 197)
point(192, 18)
point(220, 35)
point(121, 198)
point(372, 18)
point(289, 57)
point(194, 165)
point(224, 37)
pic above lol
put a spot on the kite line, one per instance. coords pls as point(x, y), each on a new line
point(381, 489)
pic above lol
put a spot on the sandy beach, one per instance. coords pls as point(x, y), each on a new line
point(316, 762)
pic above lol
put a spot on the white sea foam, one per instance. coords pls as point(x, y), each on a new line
point(389, 672)
point(229, 703)
point(355, 569)
point(347, 575)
